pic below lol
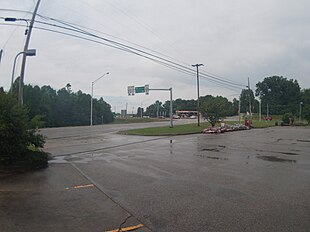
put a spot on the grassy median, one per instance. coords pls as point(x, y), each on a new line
point(166, 130)
point(185, 129)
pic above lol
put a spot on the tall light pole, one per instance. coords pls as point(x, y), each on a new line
point(22, 72)
point(260, 110)
point(29, 52)
point(300, 111)
point(91, 99)
point(198, 113)
point(250, 106)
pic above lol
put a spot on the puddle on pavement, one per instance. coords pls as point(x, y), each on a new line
point(73, 159)
point(303, 140)
point(216, 158)
point(210, 157)
point(210, 149)
point(90, 157)
point(275, 159)
point(279, 152)
point(215, 148)
point(289, 153)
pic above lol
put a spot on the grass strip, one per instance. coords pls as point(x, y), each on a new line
point(137, 120)
point(165, 130)
point(185, 129)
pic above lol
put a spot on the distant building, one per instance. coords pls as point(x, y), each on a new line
point(186, 113)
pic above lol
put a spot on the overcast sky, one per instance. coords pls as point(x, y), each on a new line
point(233, 39)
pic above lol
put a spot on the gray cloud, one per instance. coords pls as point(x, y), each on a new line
point(233, 39)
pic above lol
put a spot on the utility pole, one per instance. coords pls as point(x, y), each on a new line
point(197, 70)
point(170, 110)
point(239, 110)
point(22, 72)
point(267, 110)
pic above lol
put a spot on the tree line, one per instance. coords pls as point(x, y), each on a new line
point(276, 94)
point(63, 107)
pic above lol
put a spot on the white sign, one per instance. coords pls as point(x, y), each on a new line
point(131, 90)
point(147, 89)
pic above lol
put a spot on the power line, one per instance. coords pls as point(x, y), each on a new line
point(210, 75)
point(112, 36)
point(114, 44)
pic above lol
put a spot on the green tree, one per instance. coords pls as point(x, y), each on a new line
point(214, 108)
point(102, 112)
point(305, 99)
point(155, 110)
point(282, 95)
point(306, 113)
point(235, 106)
point(140, 112)
point(305, 96)
point(19, 140)
point(247, 97)
point(64, 107)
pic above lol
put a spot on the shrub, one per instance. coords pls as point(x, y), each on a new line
point(286, 118)
point(17, 134)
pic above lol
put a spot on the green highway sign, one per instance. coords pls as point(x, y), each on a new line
point(132, 90)
point(139, 89)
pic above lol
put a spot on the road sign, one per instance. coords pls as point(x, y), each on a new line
point(131, 90)
point(140, 89)
point(147, 89)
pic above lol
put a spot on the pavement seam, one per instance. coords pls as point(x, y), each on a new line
point(100, 188)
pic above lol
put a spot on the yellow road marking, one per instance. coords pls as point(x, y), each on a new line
point(130, 228)
point(83, 186)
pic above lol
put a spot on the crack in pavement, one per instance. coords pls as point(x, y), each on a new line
point(101, 189)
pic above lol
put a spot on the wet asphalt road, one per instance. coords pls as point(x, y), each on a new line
point(257, 180)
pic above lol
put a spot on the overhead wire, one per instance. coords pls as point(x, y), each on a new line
point(230, 83)
point(124, 47)
point(206, 74)
point(121, 39)
point(12, 10)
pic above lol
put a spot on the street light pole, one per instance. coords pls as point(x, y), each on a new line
point(198, 113)
point(22, 72)
point(250, 106)
point(300, 111)
point(29, 52)
point(260, 110)
point(91, 99)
